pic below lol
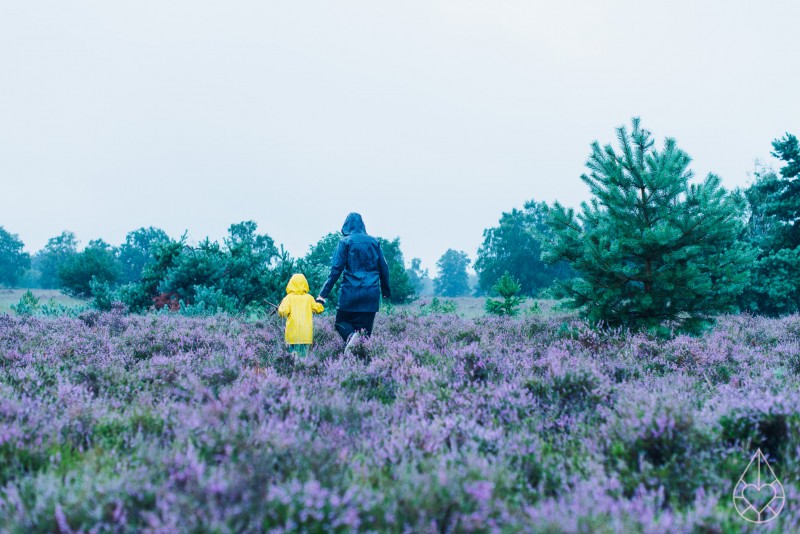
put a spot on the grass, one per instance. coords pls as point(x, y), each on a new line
point(12, 296)
point(467, 307)
point(472, 307)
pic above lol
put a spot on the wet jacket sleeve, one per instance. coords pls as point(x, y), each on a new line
point(316, 307)
point(285, 307)
point(383, 272)
point(337, 266)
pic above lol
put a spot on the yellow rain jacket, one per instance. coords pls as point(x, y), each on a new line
point(298, 306)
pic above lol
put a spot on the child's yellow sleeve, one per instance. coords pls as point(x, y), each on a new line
point(285, 307)
point(316, 307)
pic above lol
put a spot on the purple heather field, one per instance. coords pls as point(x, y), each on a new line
point(164, 423)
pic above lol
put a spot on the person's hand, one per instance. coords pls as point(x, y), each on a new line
point(320, 300)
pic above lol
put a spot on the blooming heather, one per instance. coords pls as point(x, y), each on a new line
point(163, 423)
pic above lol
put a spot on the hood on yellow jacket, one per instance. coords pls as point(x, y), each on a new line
point(298, 285)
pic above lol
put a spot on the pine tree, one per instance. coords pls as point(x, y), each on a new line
point(651, 250)
point(508, 289)
point(774, 228)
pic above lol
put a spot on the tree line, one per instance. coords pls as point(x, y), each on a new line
point(651, 248)
point(152, 270)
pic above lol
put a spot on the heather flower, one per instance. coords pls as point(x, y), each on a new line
point(164, 423)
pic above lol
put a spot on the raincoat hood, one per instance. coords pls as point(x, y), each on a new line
point(353, 225)
point(298, 285)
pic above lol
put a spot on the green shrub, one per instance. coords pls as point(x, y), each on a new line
point(97, 262)
point(438, 307)
point(102, 295)
point(209, 301)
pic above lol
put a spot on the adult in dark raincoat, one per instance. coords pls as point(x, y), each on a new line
point(360, 260)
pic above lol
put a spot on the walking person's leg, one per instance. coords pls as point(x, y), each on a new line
point(343, 324)
point(363, 322)
point(351, 324)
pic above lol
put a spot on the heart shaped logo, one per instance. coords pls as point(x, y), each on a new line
point(759, 498)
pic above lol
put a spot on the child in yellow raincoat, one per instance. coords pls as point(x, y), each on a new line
point(298, 307)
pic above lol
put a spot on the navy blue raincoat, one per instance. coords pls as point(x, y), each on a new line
point(366, 273)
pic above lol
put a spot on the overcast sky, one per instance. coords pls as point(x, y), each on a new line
point(430, 118)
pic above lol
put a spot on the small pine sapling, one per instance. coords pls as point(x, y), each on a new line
point(508, 289)
point(28, 304)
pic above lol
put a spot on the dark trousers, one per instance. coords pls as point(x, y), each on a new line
point(348, 322)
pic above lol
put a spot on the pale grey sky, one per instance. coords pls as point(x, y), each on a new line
point(428, 117)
